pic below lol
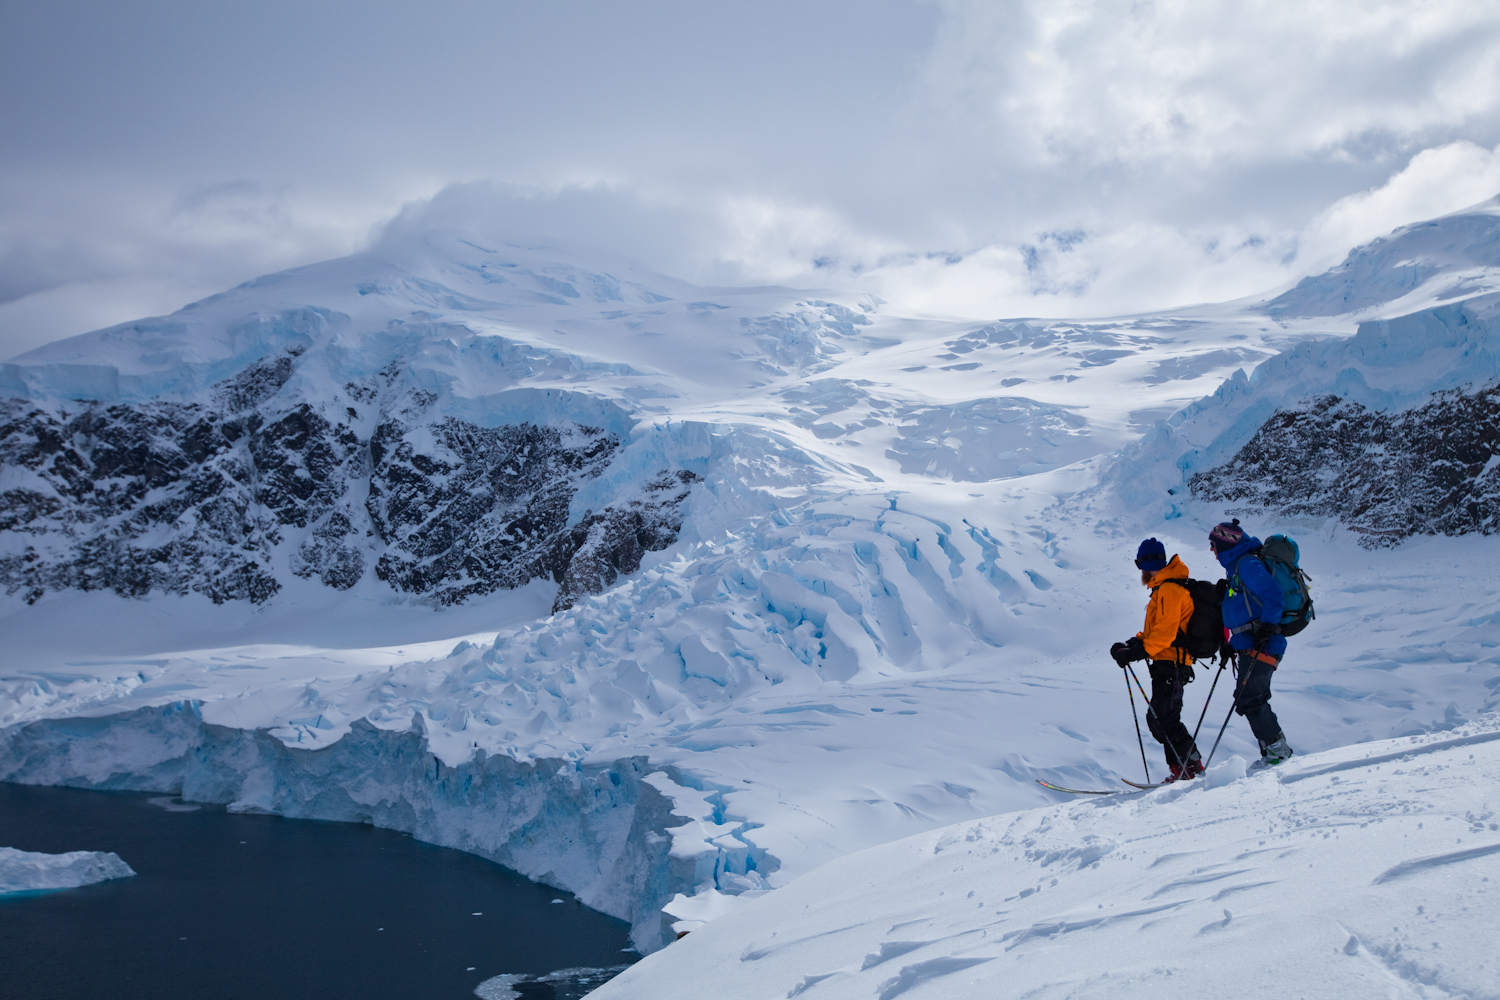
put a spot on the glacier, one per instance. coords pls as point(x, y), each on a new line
point(870, 599)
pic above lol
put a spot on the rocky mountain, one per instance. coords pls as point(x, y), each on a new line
point(197, 497)
point(373, 419)
point(1427, 470)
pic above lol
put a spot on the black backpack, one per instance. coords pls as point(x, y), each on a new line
point(1204, 634)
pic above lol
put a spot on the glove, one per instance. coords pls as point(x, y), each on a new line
point(1126, 653)
point(1264, 631)
point(1226, 655)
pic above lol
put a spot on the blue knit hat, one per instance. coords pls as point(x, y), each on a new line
point(1151, 556)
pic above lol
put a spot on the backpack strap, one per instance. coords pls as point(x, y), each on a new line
point(1179, 651)
point(1238, 585)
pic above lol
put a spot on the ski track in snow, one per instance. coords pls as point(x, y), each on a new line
point(1364, 871)
point(887, 609)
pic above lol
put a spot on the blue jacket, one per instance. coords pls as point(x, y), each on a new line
point(1253, 594)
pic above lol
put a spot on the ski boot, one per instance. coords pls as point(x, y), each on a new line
point(1272, 753)
point(1185, 772)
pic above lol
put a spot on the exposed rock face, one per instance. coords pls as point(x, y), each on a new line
point(602, 547)
point(1428, 470)
point(477, 509)
point(226, 497)
point(133, 499)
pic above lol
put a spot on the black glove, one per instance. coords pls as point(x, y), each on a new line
point(1126, 653)
point(1264, 631)
point(1226, 655)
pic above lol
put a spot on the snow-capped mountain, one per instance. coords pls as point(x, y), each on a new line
point(372, 418)
point(669, 595)
point(1441, 260)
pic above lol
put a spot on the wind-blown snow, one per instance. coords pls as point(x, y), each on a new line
point(1372, 870)
point(30, 871)
point(906, 547)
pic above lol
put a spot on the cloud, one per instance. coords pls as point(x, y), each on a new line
point(965, 157)
point(1437, 181)
point(78, 257)
point(1190, 84)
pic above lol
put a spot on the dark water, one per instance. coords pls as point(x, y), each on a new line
point(232, 907)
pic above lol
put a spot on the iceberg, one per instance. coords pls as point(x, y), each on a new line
point(30, 871)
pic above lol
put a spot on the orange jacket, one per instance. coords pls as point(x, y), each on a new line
point(1167, 614)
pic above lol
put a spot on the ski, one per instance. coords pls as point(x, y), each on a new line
point(1142, 787)
point(1075, 791)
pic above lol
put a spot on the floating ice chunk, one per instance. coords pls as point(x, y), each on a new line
point(28, 871)
point(500, 987)
point(173, 804)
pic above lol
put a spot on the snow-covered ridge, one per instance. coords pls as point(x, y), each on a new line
point(1364, 871)
point(1453, 257)
point(1388, 365)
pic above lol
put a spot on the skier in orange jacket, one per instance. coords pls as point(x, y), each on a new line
point(1171, 667)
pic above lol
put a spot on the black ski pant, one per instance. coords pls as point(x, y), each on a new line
point(1252, 696)
point(1165, 717)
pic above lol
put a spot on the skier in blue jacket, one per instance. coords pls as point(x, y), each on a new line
point(1252, 615)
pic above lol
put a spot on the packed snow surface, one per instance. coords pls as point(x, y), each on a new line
point(1368, 871)
point(30, 871)
point(906, 549)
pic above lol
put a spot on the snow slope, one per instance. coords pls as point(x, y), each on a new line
point(906, 548)
point(1416, 267)
point(1367, 871)
point(30, 871)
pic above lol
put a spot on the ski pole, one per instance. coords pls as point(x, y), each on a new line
point(1137, 719)
point(1210, 698)
point(1149, 713)
point(1233, 703)
point(1220, 736)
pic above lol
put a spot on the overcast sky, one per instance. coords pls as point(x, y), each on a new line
point(981, 159)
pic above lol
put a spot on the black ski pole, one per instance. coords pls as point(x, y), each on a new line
point(1233, 702)
point(1137, 719)
point(1220, 736)
point(1210, 698)
point(1149, 713)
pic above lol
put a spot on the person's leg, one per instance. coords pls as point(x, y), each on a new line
point(1165, 717)
point(1252, 696)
